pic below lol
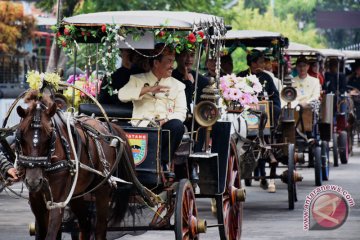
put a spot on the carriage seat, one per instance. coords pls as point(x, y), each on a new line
point(111, 110)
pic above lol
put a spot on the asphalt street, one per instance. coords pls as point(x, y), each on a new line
point(266, 215)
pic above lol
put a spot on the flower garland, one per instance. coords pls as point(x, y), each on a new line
point(241, 91)
point(180, 41)
point(38, 81)
point(67, 36)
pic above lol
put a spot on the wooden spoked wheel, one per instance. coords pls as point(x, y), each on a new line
point(187, 224)
point(229, 205)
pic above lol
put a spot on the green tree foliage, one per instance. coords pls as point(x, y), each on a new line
point(246, 18)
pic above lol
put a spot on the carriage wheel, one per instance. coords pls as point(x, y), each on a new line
point(343, 147)
point(317, 166)
point(325, 160)
point(229, 204)
point(335, 150)
point(292, 196)
point(187, 224)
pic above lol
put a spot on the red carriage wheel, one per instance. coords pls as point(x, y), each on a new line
point(187, 224)
point(229, 204)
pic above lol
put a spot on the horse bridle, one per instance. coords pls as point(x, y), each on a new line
point(35, 161)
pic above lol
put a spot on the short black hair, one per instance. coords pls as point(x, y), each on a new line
point(254, 56)
point(159, 51)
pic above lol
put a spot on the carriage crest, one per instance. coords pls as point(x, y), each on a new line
point(139, 145)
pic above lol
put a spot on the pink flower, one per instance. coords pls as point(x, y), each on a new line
point(234, 94)
point(226, 94)
point(257, 87)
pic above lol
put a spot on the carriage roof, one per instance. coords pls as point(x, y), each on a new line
point(297, 49)
point(351, 54)
point(144, 19)
point(253, 38)
point(331, 53)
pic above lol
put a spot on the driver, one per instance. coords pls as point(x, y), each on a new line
point(159, 97)
point(6, 168)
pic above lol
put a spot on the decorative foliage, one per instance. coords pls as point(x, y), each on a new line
point(180, 41)
point(38, 81)
point(68, 35)
point(241, 91)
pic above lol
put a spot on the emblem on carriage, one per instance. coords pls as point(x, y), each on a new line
point(139, 144)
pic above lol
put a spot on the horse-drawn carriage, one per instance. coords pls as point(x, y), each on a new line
point(102, 150)
point(261, 143)
point(315, 123)
point(343, 110)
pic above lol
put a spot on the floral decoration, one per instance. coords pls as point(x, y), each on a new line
point(38, 81)
point(88, 84)
point(68, 35)
point(180, 40)
point(240, 91)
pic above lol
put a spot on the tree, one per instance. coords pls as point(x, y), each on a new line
point(242, 19)
point(15, 27)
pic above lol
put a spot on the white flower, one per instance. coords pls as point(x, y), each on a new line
point(115, 91)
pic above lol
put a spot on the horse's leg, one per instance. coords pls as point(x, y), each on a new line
point(38, 207)
point(80, 209)
point(102, 207)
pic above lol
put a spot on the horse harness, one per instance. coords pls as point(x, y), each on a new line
point(45, 161)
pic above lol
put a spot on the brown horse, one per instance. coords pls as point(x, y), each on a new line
point(44, 159)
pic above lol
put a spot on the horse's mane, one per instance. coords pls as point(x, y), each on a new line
point(31, 98)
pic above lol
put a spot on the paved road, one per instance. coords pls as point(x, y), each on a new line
point(265, 215)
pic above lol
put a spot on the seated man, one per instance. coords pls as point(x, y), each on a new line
point(256, 62)
point(308, 88)
point(118, 79)
point(158, 96)
point(185, 74)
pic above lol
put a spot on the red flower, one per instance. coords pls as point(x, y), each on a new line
point(191, 38)
point(63, 43)
point(201, 34)
point(103, 28)
point(58, 34)
point(82, 33)
point(161, 33)
point(66, 31)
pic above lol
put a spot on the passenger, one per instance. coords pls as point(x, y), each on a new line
point(118, 79)
point(269, 70)
point(314, 71)
point(185, 74)
point(140, 63)
point(255, 61)
point(226, 66)
point(159, 97)
point(354, 82)
point(354, 78)
point(307, 87)
point(226, 63)
point(6, 168)
point(331, 79)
